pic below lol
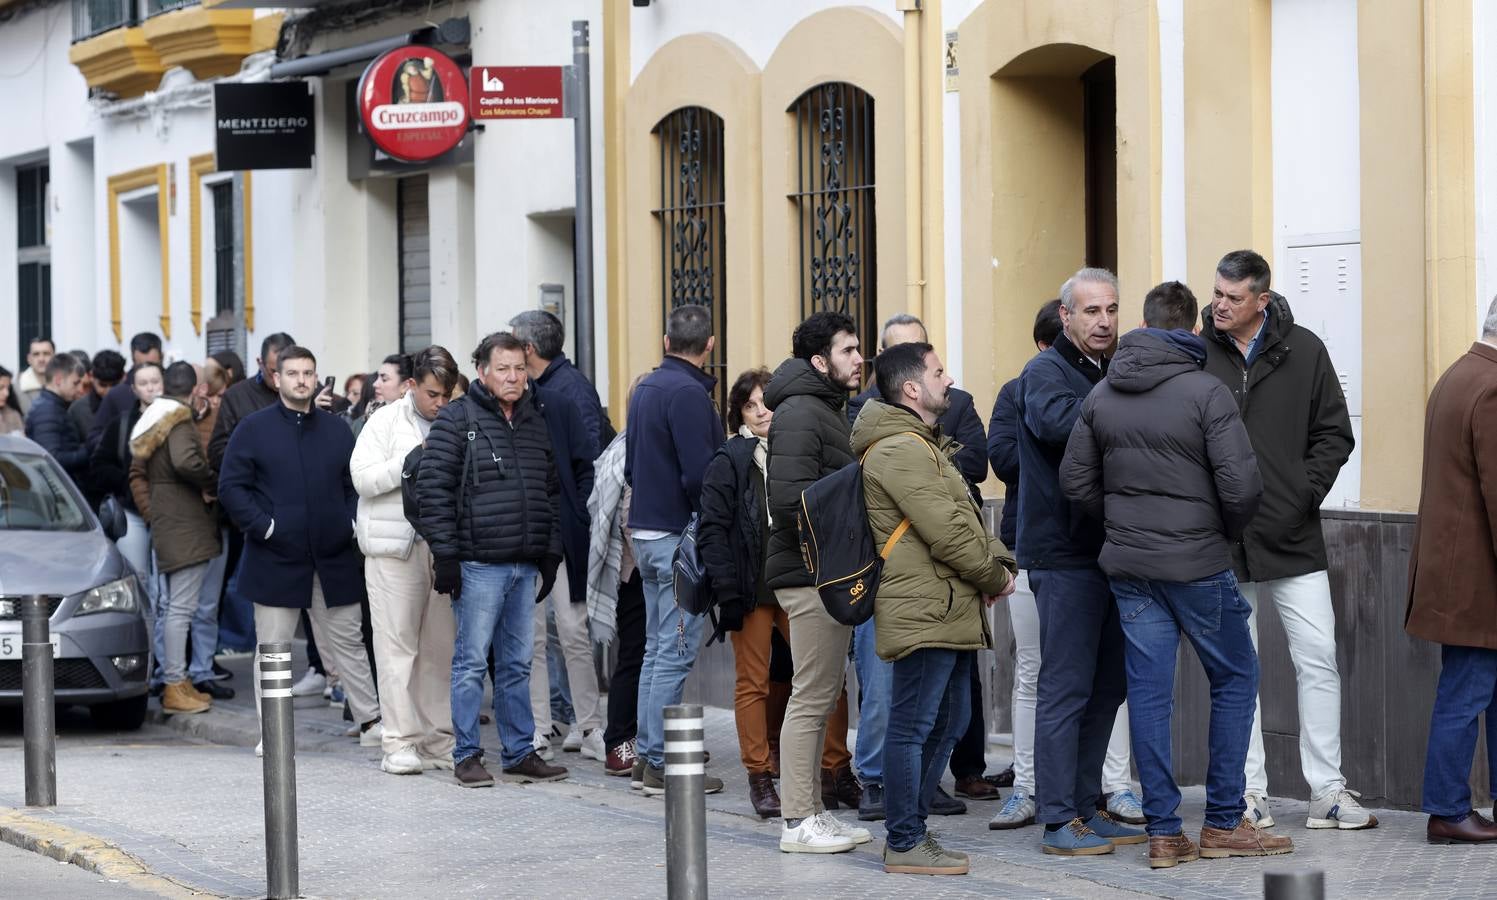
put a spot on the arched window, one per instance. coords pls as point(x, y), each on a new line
point(693, 245)
point(834, 204)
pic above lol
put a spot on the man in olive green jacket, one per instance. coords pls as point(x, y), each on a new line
point(941, 573)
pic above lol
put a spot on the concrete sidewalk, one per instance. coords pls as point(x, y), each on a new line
point(191, 811)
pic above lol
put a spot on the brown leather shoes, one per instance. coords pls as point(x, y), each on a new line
point(1474, 829)
point(1244, 840)
point(977, 788)
point(763, 796)
point(840, 786)
point(533, 768)
point(1168, 851)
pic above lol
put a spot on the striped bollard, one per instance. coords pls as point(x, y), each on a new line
point(1301, 885)
point(279, 739)
point(685, 804)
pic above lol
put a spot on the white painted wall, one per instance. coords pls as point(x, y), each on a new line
point(1484, 45)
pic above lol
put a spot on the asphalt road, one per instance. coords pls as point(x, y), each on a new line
point(35, 877)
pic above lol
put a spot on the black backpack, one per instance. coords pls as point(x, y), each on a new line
point(693, 587)
point(837, 545)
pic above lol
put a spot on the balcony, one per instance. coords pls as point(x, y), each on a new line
point(124, 46)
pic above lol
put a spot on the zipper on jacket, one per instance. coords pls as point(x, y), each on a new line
point(514, 451)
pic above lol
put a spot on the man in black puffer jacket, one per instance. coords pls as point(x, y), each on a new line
point(810, 438)
point(47, 421)
point(491, 512)
point(1160, 454)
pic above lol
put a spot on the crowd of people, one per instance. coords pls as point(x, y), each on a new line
point(427, 532)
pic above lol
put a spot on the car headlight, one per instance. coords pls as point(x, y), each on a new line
point(116, 596)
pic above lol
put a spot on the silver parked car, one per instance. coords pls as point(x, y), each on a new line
point(52, 544)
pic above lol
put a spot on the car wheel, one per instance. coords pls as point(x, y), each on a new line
point(120, 715)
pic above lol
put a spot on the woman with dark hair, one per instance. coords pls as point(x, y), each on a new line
point(734, 525)
point(413, 625)
point(10, 407)
point(353, 388)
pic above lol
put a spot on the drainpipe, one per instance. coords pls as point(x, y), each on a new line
point(914, 200)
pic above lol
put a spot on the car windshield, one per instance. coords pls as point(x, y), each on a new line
point(34, 496)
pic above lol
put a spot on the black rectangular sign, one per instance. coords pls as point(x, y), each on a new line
point(264, 126)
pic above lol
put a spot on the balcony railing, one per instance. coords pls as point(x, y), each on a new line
point(94, 17)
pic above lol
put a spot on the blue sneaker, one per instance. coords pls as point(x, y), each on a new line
point(1105, 824)
point(1075, 839)
point(1126, 807)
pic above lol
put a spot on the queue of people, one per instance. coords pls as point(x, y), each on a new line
point(428, 533)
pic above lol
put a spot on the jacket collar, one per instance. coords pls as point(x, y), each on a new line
point(1484, 350)
point(553, 367)
point(307, 419)
point(486, 400)
point(1078, 360)
point(676, 363)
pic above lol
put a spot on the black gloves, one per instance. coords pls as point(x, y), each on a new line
point(726, 615)
point(549, 565)
point(449, 577)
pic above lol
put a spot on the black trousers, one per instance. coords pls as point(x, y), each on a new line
point(969, 756)
point(623, 687)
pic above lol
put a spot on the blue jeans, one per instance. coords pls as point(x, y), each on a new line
point(875, 677)
point(930, 705)
point(1468, 686)
point(672, 639)
point(496, 611)
point(236, 625)
point(204, 627)
point(1082, 683)
point(1213, 616)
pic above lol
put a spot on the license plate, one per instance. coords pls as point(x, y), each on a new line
point(10, 645)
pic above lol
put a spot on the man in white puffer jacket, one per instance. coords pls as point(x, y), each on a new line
point(413, 625)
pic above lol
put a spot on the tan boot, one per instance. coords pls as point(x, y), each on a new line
point(180, 698)
point(1244, 840)
point(1169, 850)
point(201, 695)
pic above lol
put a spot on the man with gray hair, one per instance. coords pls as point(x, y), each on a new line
point(1082, 680)
point(547, 362)
point(1290, 398)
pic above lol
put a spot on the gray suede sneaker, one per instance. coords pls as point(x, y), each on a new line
point(925, 858)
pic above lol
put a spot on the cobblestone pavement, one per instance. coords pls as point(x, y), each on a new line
point(192, 811)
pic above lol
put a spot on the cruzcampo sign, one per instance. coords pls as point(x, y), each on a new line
point(413, 102)
point(517, 92)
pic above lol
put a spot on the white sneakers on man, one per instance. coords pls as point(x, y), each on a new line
point(815, 834)
point(855, 833)
point(572, 743)
point(592, 745)
point(404, 761)
point(311, 684)
point(541, 744)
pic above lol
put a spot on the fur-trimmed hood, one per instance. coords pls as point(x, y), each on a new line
point(158, 420)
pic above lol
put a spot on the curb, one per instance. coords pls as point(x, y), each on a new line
point(233, 729)
point(86, 851)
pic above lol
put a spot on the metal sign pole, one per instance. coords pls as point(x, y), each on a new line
point(580, 111)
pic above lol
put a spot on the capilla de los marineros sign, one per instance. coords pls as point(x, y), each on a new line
point(413, 101)
point(265, 125)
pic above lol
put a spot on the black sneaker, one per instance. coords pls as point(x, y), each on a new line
point(215, 690)
point(471, 773)
point(220, 673)
point(943, 804)
point(871, 808)
point(533, 768)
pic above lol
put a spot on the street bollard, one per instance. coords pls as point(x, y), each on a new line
point(685, 804)
point(40, 716)
point(279, 740)
point(1294, 885)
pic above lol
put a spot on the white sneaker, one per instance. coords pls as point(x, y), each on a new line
point(437, 762)
point(374, 736)
point(311, 684)
point(853, 833)
point(592, 745)
point(1340, 809)
point(405, 761)
point(542, 746)
point(1257, 811)
point(572, 743)
point(813, 835)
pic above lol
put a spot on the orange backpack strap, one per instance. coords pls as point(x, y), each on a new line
point(904, 524)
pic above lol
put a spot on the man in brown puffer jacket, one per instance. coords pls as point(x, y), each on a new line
point(184, 532)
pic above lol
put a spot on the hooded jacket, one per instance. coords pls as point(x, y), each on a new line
point(378, 457)
point(809, 438)
point(1295, 413)
point(184, 528)
point(930, 593)
point(1161, 455)
point(960, 421)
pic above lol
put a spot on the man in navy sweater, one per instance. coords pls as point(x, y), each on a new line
point(673, 432)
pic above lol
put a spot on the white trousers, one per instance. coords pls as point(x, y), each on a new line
point(576, 650)
point(413, 640)
point(1024, 619)
point(339, 633)
point(1304, 605)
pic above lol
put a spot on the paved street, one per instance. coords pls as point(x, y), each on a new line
point(35, 877)
point(191, 811)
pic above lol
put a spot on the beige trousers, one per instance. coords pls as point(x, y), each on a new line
point(340, 636)
point(413, 639)
point(819, 647)
point(576, 649)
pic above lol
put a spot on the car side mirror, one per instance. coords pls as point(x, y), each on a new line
point(112, 517)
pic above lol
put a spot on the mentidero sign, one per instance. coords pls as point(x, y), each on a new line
point(414, 103)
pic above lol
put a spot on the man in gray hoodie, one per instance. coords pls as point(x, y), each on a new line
point(1160, 454)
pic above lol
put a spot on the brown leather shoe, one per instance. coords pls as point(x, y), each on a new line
point(763, 796)
point(1169, 850)
point(533, 768)
point(1474, 829)
point(1244, 840)
point(840, 786)
point(977, 788)
point(470, 773)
